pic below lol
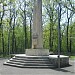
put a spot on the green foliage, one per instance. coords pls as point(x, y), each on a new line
point(72, 57)
point(1, 10)
point(46, 36)
point(4, 4)
point(50, 21)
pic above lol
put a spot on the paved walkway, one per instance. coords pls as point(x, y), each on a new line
point(8, 70)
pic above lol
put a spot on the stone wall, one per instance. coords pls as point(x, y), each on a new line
point(64, 60)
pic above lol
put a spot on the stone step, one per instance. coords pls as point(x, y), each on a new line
point(29, 61)
point(29, 66)
point(38, 61)
point(32, 57)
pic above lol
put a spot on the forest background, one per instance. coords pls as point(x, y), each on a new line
point(16, 19)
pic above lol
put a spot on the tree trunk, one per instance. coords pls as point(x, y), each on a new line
point(70, 40)
point(13, 35)
point(50, 39)
point(67, 31)
point(3, 42)
point(30, 33)
point(9, 30)
point(2, 32)
point(25, 27)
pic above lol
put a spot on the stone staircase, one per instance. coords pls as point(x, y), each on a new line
point(24, 61)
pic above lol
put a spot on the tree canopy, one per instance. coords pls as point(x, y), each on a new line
point(16, 19)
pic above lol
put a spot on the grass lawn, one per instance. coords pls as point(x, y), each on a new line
point(72, 57)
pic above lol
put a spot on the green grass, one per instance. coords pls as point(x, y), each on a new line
point(6, 56)
point(72, 57)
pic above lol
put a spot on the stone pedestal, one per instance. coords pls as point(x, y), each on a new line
point(37, 52)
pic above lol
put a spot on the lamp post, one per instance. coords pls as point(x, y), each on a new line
point(59, 33)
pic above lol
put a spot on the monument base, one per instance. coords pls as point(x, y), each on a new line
point(37, 52)
point(64, 60)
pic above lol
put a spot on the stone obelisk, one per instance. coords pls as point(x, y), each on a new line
point(37, 33)
point(37, 38)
